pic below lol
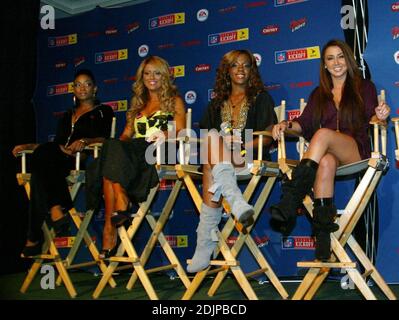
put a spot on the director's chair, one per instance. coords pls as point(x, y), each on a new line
point(168, 173)
point(49, 249)
point(374, 168)
point(260, 169)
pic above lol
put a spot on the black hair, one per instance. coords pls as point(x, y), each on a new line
point(86, 72)
point(90, 74)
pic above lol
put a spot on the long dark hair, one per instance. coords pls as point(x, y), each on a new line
point(222, 88)
point(351, 107)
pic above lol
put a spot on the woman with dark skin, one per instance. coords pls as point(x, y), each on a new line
point(89, 122)
point(335, 121)
point(241, 102)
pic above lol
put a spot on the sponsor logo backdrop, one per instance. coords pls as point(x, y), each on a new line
point(382, 56)
point(287, 37)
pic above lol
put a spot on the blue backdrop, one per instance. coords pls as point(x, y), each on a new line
point(382, 56)
point(287, 37)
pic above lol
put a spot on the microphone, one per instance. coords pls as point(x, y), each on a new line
point(228, 130)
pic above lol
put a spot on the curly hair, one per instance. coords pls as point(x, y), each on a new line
point(222, 87)
point(167, 95)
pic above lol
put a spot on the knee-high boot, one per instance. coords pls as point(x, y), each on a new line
point(324, 214)
point(225, 177)
point(209, 220)
point(283, 214)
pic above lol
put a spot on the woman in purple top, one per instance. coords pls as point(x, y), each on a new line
point(335, 121)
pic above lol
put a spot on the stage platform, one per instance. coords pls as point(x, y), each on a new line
point(167, 288)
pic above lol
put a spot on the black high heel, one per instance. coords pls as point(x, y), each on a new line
point(107, 253)
point(119, 218)
point(30, 251)
point(62, 227)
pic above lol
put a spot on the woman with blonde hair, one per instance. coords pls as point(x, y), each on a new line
point(127, 177)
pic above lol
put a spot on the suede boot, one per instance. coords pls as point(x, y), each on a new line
point(324, 214)
point(283, 214)
point(224, 176)
point(209, 220)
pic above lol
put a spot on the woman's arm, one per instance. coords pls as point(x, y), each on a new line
point(127, 133)
point(180, 115)
point(26, 146)
point(284, 125)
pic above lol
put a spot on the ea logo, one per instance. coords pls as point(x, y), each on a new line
point(258, 59)
point(396, 57)
point(143, 50)
point(190, 97)
point(202, 15)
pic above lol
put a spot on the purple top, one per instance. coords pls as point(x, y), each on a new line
point(329, 118)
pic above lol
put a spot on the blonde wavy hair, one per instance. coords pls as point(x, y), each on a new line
point(167, 95)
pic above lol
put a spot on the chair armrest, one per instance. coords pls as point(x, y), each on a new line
point(396, 126)
point(380, 130)
point(382, 123)
point(263, 133)
point(94, 145)
point(184, 139)
point(23, 154)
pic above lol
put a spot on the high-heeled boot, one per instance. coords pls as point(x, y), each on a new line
point(283, 214)
point(209, 220)
point(324, 214)
point(225, 177)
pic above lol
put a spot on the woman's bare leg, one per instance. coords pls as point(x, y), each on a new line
point(109, 232)
point(121, 198)
point(219, 172)
point(340, 145)
point(329, 149)
point(56, 212)
point(325, 177)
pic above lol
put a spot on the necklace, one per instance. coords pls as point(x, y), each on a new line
point(238, 103)
point(227, 114)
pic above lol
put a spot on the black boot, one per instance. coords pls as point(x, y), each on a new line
point(324, 214)
point(283, 214)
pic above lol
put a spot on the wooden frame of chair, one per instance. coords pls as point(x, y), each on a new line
point(396, 126)
point(76, 179)
point(318, 271)
point(230, 262)
point(137, 262)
